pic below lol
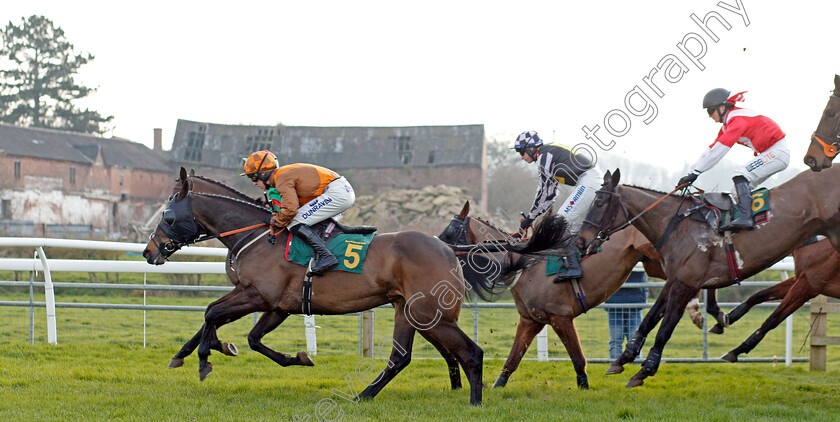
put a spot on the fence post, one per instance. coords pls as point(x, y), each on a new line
point(311, 340)
point(818, 322)
point(367, 333)
point(32, 307)
point(542, 344)
point(788, 331)
point(49, 293)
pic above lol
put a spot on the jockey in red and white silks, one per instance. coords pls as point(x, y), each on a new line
point(748, 128)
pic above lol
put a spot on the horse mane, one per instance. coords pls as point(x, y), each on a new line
point(491, 225)
point(218, 183)
point(236, 200)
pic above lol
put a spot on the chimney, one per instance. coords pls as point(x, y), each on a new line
point(158, 140)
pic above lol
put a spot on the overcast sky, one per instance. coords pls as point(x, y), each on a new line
point(549, 66)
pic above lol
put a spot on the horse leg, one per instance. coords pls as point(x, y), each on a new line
point(679, 296)
point(466, 351)
point(451, 361)
point(236, 304)
point(403, 340)
point(637, 340)
point(525, 333)
point(713, 309)
point(771, 293)
point(225, 348)
point(267, 323)
point(797, 295)
point(564, 326)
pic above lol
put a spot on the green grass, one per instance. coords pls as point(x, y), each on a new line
point(107, 381)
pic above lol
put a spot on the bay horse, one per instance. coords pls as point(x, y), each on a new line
point(825, 141)
point(538, 299)
point(206, 185)
point(694, 254)
point(817, 268)
point(416, 273)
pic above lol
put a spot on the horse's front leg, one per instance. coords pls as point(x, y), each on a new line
point(225, 348)
point(679, 296)
point(637, 340)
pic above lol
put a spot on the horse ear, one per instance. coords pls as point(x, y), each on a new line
point(616, 177)
point(192, 172)
point(184, 186)
point(607, 178)
point(837, 84)
point(464, 211)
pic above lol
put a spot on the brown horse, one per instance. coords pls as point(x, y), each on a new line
point(817, 272)
point(538, 299)
point(207, 185)
point(416, 273)
point(825, 142)
point(694, 255)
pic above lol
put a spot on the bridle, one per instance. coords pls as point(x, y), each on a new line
point(830, 143)
point(187, 231)
point(604, 232)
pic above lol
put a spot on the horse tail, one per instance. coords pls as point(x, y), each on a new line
point(488, 277)
point(548, 234)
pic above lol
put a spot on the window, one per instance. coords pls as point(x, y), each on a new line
point(121, 180)
point(6, 209)
point(261, 141)
point(72, 175)
point(195, 145)
point(17, 169)
point(431, 157)
point(403, 147)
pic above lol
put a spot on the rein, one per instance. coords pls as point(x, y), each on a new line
point(606, 236)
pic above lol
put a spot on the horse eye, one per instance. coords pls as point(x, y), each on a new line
point(168, 216)
point(831, 113)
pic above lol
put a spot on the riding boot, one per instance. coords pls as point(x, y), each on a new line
point(571, 260)
point(744, 220)
point(325, 259)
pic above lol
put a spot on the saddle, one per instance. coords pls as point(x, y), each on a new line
point(329, 229)
point(717, 207)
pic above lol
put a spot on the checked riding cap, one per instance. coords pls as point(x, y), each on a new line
point(258, 163)
point(527, 139)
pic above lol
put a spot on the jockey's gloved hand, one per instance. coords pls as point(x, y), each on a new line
point(525, 223)
point(688, 178)
point(275, 220)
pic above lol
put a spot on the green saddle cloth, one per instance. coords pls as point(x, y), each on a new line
point(350, 249)
point(759, 206)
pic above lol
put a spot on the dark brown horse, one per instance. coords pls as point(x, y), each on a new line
point(207, 185)
point(416, 273)
point(825, 142)
point(817, 272)
point(538, 299)
point(694, 255)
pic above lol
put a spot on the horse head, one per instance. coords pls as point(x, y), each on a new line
point(603, 216)
point(825, 142)
point(456, 232)
point(177, 226)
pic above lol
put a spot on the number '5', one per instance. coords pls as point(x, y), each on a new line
point(351, 252)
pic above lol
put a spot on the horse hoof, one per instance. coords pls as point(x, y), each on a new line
point(304, 359)
point(230, 349)
point(500, 382)
point(633, 383)
point(615, 369)
point(205, 371)
point(176, 363)
point(730, 357)
point(716, 329)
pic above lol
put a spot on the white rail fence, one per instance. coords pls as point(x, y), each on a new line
point(41, 263)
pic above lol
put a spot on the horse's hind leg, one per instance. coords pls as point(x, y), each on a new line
point(468, 353)
point(225, 348)
point(403, 340)
point(635, 343)
point(267, 323)
point(451, 362)
point(678, 297)
point(771, 293)
point(797, 295)
point(713, 309)
point(525, 333)
point(564, 326)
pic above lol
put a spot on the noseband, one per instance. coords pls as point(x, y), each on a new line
point(830, 143)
